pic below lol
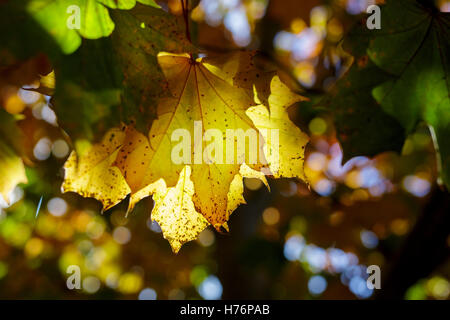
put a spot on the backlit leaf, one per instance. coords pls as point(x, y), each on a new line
point(56, 15)
point(203, 188)
point(92, 174)
point(175, 212)
point(12, 170)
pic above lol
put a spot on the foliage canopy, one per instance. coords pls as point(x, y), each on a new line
point(130, 77)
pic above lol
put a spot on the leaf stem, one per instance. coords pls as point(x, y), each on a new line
point(185, 8)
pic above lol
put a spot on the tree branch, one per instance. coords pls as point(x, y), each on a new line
point(424, 249)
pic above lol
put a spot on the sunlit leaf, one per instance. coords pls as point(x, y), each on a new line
point(12, 170)
point(175, 212)
point(57, 17)
point(92, 174)
point(204, 96)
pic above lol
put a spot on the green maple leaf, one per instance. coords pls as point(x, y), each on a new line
point(421, 87)
point(407, 66)
point(363, 128)
point(95, 22)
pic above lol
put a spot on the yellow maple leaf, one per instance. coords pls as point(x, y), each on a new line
point(175, 212)
point(12, 170)
point(92, 174)
point(201, 100)
point(235, 194)
point(286, 154)
point(205, 187)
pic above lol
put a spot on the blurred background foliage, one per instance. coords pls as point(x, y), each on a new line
point(295, 242)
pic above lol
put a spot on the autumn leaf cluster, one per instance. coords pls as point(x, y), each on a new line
point(130, 77)
point(149, 84)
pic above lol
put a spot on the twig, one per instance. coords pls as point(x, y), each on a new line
point(185, 8)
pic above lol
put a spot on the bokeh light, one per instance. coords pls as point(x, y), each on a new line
point(210, 288)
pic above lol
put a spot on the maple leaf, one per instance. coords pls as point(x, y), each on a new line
point(91, 173)
point(362, 127)
point(424, 66)
point(95, 21)
point(399, 78)
point(175, 212)
point(198, 94)
point(174, 208)
point(190, 197)
point(286, 155)
point(12, 170)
